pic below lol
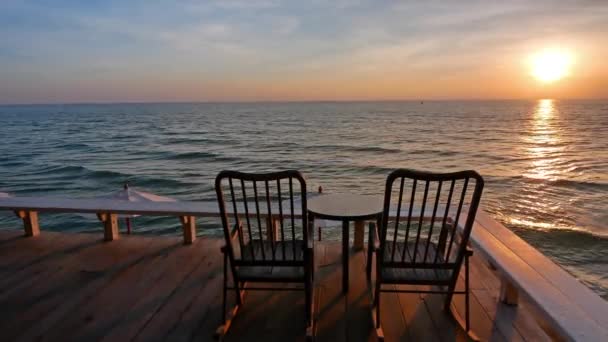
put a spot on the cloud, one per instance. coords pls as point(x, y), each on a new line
point(279, 43)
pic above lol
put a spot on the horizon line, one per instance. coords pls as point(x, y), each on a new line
point(290, 101)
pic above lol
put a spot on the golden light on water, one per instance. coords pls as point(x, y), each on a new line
point(542, 147)
point(544, 142)
point(551, 65)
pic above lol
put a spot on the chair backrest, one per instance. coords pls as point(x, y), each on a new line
point(421, 212)
point(265, 214)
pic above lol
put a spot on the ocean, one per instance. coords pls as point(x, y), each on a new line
point(545, 162)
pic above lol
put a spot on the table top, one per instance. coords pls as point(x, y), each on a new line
point(346, 206)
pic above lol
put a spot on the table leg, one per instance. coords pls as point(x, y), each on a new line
point(345, 248)
point(359, 232)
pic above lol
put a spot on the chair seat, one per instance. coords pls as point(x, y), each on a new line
point(268, 272)
point(414, 275)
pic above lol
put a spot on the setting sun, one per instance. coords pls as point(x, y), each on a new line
point(551, 65)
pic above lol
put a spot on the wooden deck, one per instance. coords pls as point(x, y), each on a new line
point(60, 286)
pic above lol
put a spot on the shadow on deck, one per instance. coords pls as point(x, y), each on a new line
point(61, 286)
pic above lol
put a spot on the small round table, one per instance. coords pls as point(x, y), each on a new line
point(345, 208)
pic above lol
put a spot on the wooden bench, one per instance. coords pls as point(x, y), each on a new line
point(572, 310)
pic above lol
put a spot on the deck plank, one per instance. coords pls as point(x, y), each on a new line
point(358, 319)
point(520, 317)
point(98, 314)
point(194, 305)
point(482, 324)
point(446, 328)
point(417, 318)
point(166, 316)
point(80, 280)
point(44, 258)
point(20, 251)
point(331, 320)
point(152, 288)
point(172, 270)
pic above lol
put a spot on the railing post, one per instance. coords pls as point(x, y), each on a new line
point(272, 228)
point(189, 228)
point(110, 225)
point(508, 293)
point(359, 233)
point(30, 222)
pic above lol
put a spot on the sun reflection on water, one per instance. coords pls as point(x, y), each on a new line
point(544, 144)
point(542, 148)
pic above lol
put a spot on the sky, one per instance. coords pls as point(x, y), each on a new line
point(71, 51)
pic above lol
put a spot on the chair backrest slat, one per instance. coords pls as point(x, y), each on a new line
point(441, 244)
point(428, 240)
point(409, 218)
point(263, 245)
point(281, 217)
point(270, 221)
point(457, 219)
point(424, 245)
point(246, 205)
point(236, 213)
point(259, 218)
point(293, 224)
point(397, 220)
point(419, 230)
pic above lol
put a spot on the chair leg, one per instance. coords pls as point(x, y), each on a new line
point(448, 299)
point(377, 304)
point(370, 249)
point(466, 294)
point(307, 293)
point(225, 290)
point(312, 265)
point(310, 319)
point(466, 323)
point(228, 317)
point(376, 312)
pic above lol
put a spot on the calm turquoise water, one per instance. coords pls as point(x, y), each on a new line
point(545, 162)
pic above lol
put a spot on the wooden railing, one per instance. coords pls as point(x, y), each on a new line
point(107, 211)
point(572, 310)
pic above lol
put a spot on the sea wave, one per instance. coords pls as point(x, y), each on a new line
point(201, 156)
point(198, 140)
point(566, 183)
point(352, 148)
point(550, 227)
point(50, 175)
point(559, 182)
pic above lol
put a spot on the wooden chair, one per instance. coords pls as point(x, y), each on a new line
point(268, 238)
point(423, 245)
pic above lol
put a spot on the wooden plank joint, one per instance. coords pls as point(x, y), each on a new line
point(30, 222)
point(189, 228)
